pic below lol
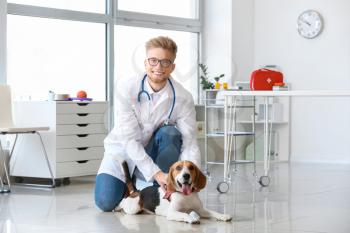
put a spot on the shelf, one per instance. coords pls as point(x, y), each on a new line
point(215, 135)
point(214, 106)
point(232, 162)
point(262, 122)
point(221, 134)
point(231, 106)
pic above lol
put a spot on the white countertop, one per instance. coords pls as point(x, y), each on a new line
point(311, 93)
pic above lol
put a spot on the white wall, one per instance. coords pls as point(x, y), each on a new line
point(242, 38)
point(253, 33)
point(216, 38)
point(320, 129)
point(228, 38)
point(3, 12)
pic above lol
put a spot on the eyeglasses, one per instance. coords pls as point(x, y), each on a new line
point(164, 62)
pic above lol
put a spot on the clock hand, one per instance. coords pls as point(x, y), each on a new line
point(306, 22)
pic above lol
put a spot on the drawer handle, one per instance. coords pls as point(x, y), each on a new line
point(83, 104)
point(82, 125)
point(82, 135)
point(82, 114)
point(82, 161)
point(82, 148)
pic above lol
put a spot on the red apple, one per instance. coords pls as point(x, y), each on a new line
point(81, 94)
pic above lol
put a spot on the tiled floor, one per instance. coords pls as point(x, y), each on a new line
point(305, 198)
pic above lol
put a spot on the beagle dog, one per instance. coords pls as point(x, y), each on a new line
point(180, 202)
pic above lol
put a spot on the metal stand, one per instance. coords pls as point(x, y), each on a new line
point(229, 133)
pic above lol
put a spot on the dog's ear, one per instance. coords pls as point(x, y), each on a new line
point(201, 179)
point(170, 181)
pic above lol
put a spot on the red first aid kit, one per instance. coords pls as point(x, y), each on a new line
point(264, 79)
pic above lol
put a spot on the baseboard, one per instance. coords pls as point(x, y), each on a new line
point(319, 158)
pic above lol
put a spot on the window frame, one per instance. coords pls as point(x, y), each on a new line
point(112, 17)
point(3, 46)
point(127, 18)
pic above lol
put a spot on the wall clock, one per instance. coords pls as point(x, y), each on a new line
point(310, 24)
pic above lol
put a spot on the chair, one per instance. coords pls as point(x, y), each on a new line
point(7, 127)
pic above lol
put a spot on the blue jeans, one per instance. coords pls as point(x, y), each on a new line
point(164, 149)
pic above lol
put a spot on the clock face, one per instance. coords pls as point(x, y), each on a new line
point(310, 24)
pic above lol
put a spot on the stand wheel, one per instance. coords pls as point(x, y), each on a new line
point(66, 181)
point(264, 181)
point(223, 187)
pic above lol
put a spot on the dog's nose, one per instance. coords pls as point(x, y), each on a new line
point(186, 176)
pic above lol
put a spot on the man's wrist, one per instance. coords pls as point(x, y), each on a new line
point(158, 173)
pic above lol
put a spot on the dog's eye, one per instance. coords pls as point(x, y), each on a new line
point(191, 167)
point(179, 168)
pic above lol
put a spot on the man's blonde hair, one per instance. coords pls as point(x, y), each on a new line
point(163, 42)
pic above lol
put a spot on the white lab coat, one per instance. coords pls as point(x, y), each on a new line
point(135, 123)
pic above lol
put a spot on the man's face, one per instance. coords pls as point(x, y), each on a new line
point(157, 64)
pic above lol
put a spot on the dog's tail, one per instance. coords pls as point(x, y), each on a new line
point(131, 189)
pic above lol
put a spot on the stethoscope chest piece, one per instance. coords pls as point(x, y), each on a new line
point(144, 93)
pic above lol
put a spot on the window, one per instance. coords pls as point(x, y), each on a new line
point(53, 49)
point(58, 55)
point(179, 8)
point(97, 6)
point(130, 54)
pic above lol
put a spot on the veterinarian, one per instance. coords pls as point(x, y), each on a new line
point(155, 126)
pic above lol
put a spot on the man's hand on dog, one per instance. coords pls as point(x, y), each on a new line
point(161, 179)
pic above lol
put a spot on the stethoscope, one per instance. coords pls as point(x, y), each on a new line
point(143, 91)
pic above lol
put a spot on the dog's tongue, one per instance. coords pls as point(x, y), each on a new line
point(186, 189)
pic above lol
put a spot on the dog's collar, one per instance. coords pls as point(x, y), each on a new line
point(167, 195)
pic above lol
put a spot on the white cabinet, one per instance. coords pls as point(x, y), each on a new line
point(74, 143)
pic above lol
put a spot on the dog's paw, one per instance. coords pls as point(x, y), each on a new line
point(224, 217)
point(192, 220)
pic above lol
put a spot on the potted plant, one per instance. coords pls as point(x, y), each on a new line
point(206, 84)
point(205, 79)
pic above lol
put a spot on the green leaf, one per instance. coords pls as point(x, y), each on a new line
point(205, 79)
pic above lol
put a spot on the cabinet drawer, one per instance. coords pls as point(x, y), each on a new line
point(81, 107)
point(81, 129)
point(80, 153)
point(82, 140)
point(81, 118)
point(77, 168)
